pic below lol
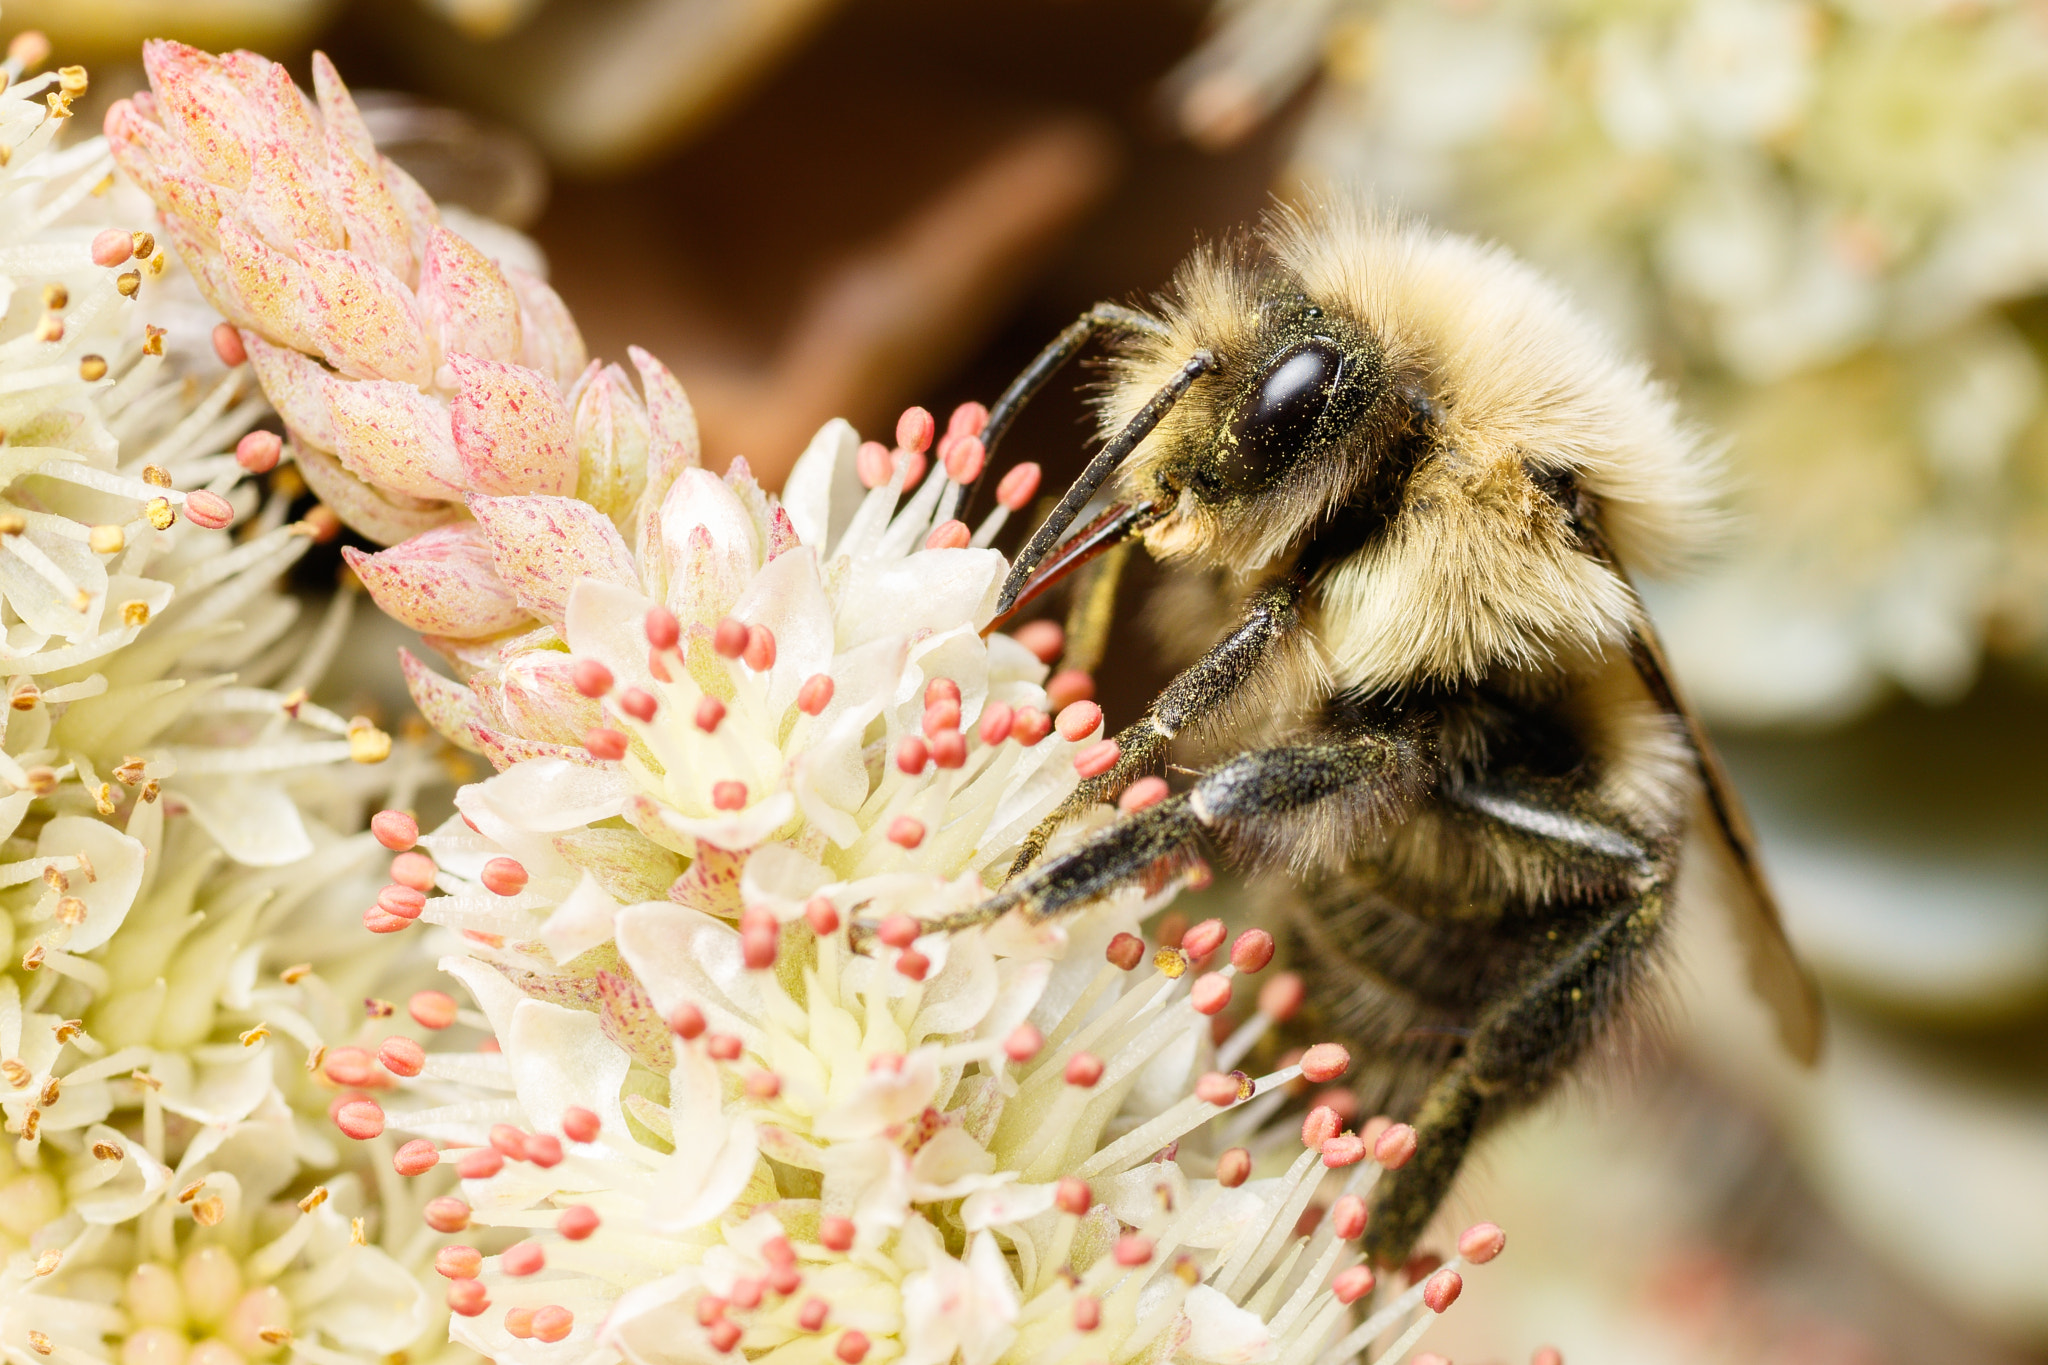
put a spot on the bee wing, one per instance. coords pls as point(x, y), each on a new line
point(1775, 972)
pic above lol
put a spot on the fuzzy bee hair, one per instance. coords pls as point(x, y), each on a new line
point(1479, 564)
point(1404, 480)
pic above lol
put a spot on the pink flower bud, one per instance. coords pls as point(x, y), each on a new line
point(227, 344)
point(729, 638)
point(210, 510)
point(1097, 759)
point(360, 1119)
point(1280, 999)
point(432, 1009)
point(601, 741)
point(481, 1164)
point(969, 419)
point(413, 869)
point(504, 877)
point(259, 451)
point(1352, 1284)
point(1345, 1149)
point(949, 750)
point(1079, 720)
point(914, 431)
point(662, 630)
point(1023, 1042)
point(1146, 791)
point(395, 829)
point(1210, 994)
point(996, 721)
point(1204, 939)
point(822, 915)
point(580, 1124)
point(760, 651)
point(522, 1259)
point(446, 1214)
point(1031, 726)
point(112, 247)
point(552, 1322)
point(1481, 1242)
point(1395, 1147)
point(873, 463)
point(402, 1056)
point(1084, 1069)
point(686, 1021)
point(378, 920)
point(415, 1158)
point(1252, 951)
point(591, 678)
point(458, 1262)
point(1325, 1062)
point(729, 795)
point(1018, 487)
point(1068, 687)
point(1045, 639)
point(815, 695)
point(467, 1298)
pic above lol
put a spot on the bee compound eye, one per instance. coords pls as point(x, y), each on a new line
point(1278, 419)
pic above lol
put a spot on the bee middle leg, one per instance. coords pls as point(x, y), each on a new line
point(1292, 798)
point(1269, 618)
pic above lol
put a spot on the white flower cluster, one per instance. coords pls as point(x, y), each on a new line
point(1818, 215)
point(172, 864)
point(735, 1098)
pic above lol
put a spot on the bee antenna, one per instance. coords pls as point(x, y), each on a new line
point(1099, 469)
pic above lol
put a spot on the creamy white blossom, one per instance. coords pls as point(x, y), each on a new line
point(737, 1098)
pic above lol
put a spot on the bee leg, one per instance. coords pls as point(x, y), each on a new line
point(1358, 778)
point(1093, 609)
point(1521, 1044)
point(1204, 688)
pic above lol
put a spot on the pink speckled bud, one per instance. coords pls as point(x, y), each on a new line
point(415, 1158)
point(211, 510)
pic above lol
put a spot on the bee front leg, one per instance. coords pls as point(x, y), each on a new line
point(1209, 685)
point(1311, 797)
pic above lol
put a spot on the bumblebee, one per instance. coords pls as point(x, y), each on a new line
point(1403, 481)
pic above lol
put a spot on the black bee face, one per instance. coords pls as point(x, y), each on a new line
point(1296, 391)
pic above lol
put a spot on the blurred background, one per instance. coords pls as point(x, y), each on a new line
point(1827, 226)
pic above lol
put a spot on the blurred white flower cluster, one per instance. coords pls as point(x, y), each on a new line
point(1827, 220)
point(174, 817)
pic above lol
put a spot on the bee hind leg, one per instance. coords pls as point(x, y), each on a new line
point(1521, 1044)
